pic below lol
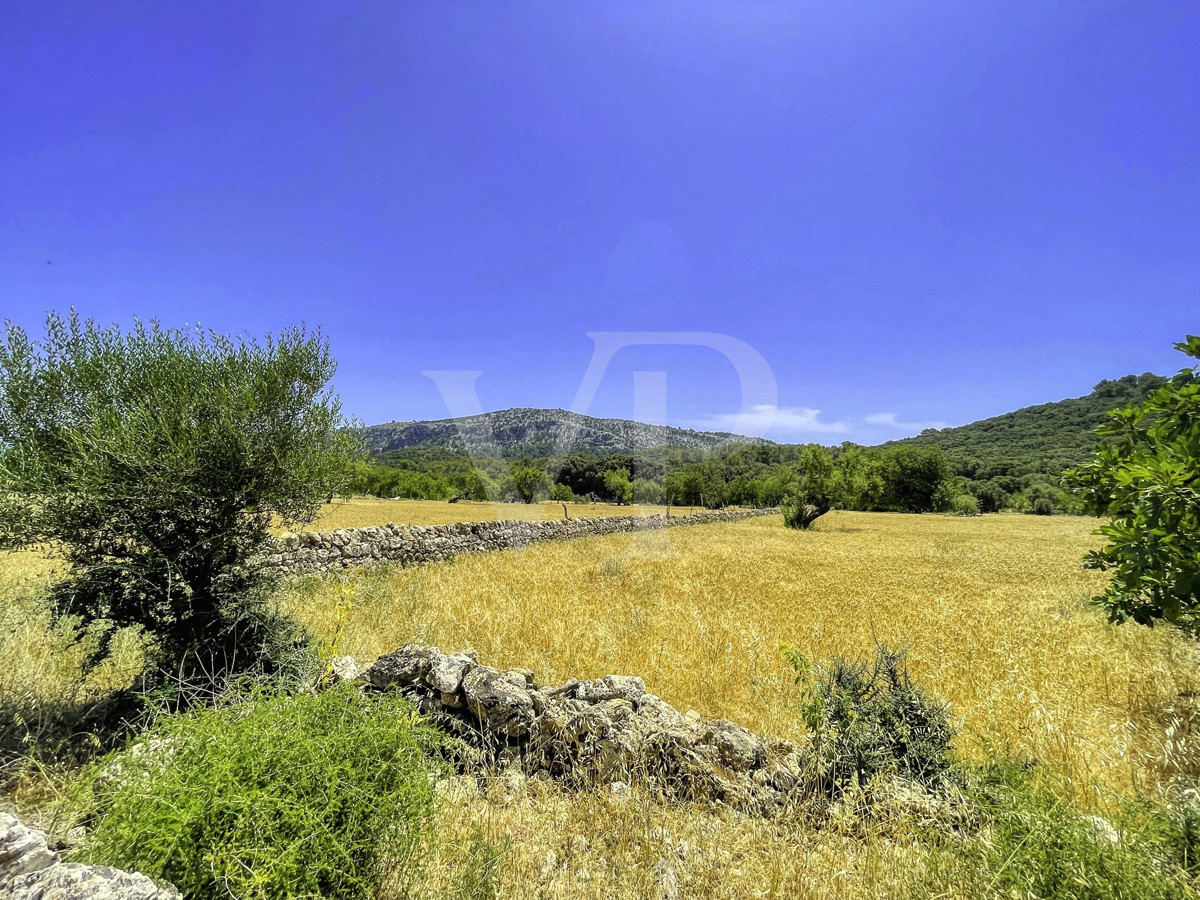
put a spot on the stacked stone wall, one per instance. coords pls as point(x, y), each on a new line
point(326, 551)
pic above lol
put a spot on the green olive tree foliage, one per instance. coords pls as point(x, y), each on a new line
point(560, 493)
point(1147, 481)
point(529, 480)
point(618, 486)
point(154, 462)
point(822, 483)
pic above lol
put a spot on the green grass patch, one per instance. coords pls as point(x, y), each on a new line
point(276, 795)
point(1032, 845)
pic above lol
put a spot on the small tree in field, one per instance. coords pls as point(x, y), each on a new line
point(822, 483)
point(154, 463)
point(618, 486)
point(1147, 481)
point(528, 480)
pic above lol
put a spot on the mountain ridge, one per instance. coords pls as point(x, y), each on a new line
point(528, 431)
point(1044, 438)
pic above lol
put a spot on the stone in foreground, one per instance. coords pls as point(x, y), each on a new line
point(30, 870)
point(610, 731)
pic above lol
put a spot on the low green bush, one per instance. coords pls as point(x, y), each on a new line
point(303, 795)
point(866, 718)
point(965, 505)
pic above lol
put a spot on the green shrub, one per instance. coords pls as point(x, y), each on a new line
point(618, 487)
point(648, 492)
point(323, 795)
point(867, 718)
point(944, 496)
point(529, 480)
point(154, 462)
point(991, 496)
point(965, 505)
point(1145, 480)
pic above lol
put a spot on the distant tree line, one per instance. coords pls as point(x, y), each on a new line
point(1009, 462)
point(902, 478)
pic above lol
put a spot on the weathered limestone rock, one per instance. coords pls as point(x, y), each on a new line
point(407, 666)
point(500, 702)
point(734, 746)
point(22, 849)
point(344, 668)
point(446, 673)
point(29, 870)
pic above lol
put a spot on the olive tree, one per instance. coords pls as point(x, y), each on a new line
point(821, 483)
point(618, 486)
point(154, 462)
point(1146, 480)
point(529, 480)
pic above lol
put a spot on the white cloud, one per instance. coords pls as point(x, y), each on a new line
point(889, 420)
point(782, 419)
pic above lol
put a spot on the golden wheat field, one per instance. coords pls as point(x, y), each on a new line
point(992, 609)
point(359, 512)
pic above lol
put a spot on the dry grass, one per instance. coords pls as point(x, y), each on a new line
point(599, 846)
point(992, 610)
point(362, 511)
point(42, 681)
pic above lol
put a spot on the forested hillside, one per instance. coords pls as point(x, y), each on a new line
point(1014, 461)
point(1017, 460)
point(1044, 439)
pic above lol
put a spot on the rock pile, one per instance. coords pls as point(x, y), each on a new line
point(610, 731)
point(320, 551)
point(30, 870)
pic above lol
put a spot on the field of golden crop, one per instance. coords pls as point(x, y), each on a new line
point(992, 610)
point(362, 511)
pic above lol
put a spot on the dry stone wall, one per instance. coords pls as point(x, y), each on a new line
point(608, 732)
point(325, 551)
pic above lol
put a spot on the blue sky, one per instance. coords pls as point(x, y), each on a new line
point(914, 213)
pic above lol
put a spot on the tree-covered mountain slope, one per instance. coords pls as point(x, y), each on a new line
point(541, 433)
point(1045, 439)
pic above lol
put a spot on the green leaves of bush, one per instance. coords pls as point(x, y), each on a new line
point(309, 796)
point(155, 461)
point(1148, 483)
point(867, 718)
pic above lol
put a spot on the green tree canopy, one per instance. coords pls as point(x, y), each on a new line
point(528, 479)
point(822, 483)
point(913, 477)
point(154, 462)
point(1147, 481)
point(618, 486)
